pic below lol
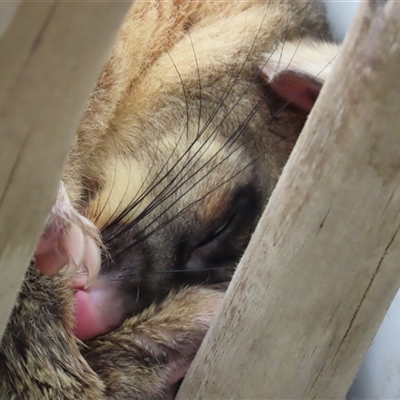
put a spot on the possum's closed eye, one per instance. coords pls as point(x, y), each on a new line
point(220, 244)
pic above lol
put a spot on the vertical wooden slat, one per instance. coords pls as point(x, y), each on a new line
point(324, 263)
point(50, 56)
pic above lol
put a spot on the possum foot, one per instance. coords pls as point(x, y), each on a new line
point(69, 240)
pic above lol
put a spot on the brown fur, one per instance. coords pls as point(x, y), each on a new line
point(174, 64)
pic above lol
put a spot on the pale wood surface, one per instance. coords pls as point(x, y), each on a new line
point(50, 56)
point(324, 262)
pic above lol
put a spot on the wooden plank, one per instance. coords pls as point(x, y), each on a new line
point(50, 56)
point(323, 265)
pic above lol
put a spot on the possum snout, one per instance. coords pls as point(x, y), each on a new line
point(99, 309)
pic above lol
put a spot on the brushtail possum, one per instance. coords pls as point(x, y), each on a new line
point(180, 146)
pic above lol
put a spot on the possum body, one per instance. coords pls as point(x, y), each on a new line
point(179, 148)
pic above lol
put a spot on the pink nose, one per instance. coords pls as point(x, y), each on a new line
point(98, 310)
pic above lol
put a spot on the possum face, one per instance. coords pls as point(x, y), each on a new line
point(180, 147)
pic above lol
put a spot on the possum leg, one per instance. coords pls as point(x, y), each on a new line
point(69, 240)
point(147, 357)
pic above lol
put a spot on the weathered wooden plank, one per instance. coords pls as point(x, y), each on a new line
point(50, 55)
point(323, 265)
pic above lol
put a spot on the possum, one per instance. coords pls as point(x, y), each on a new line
point(179, 148)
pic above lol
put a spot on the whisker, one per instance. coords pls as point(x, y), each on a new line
point(199, 79)
point(172, 271)
point(98, 213)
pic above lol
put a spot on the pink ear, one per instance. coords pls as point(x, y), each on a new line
point(299, 91)
point(295, 71)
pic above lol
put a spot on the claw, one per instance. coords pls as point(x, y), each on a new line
point(88, 270)
point(50, 258)
point(92, 261)
point(74, 245)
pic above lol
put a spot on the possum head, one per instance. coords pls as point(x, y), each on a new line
point(180, 148)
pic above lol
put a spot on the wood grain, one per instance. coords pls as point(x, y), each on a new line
point(50, 56)
point(324, 263)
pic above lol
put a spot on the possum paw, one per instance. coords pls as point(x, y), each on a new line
point(149, 354)
point(71, 241)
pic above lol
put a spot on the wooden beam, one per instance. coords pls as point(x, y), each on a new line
point(50, 56)
point(324, 263)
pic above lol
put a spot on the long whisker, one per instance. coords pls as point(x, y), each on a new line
point(218, 106)
point(135, 242)
point(234, 137)
point(171, 271)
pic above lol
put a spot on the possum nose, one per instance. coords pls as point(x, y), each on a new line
point(98, 310)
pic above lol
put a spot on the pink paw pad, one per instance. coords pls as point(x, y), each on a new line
point(71, 241)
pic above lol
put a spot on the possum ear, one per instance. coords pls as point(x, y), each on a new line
point(296, 71)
